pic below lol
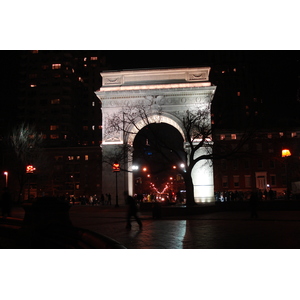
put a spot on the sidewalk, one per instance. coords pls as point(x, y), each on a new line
point(218, 230)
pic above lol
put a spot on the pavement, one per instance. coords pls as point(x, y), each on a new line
point(273, 229)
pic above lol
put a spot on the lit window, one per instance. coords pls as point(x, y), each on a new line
point(238, 94)
point(33, 85)
point(93, 103)
point(234, 69)
point(70, 157)
point(94, 58)
point(55, 101)
point(54, 127)
point(54, 136)
point(56, 66)
point(222, 137)
point(93, 127)
point(233, 136)
point(293, 134)
point(34, 51)
point(281, 134)
point(86, 157)
point(65, 137)
point(269, 135)
point(78, 157)
point(85, 59)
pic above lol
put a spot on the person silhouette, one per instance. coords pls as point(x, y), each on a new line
point(132, 211)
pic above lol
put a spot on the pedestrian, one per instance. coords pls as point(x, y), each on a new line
point(6, 203)
point(132, 211)
point(102, 199)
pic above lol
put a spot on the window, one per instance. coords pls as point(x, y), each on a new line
point(55, 101)
point(54, 127)
point(247, 164)
point(235, 164)
point(70, 157)
point(94, 58)
point(248, 181)
point(269, 135)
point(294, 134)
point(58, 158)
point(93, 103)
point(33, 85)
point(222, 137)
point(85, 127)
point(86, 157)
point(54, 136)
point(272, 164)
point(225, 181)
point(233, 136)
point(238, 94)
point(273, 180)
point(281, 134)
point(236, 181)
point(78, 157)
point(56, 66)
point(34, 51)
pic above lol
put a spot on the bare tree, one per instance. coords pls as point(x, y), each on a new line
point(198, 138)
point(25, 143)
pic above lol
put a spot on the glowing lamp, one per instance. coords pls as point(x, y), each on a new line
point(30, 169)
point(116, 167)
point(285, 153)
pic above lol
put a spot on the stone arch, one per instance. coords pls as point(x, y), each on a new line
point(170, 92)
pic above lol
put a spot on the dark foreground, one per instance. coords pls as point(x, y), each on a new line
point(211, 229)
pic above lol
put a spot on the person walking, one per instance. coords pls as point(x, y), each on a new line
point(132, 211)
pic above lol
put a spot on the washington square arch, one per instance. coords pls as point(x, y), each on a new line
point(166, 95)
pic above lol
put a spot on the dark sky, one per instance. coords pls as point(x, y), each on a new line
point(276, 72)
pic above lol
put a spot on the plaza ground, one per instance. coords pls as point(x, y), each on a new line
point(215, 229)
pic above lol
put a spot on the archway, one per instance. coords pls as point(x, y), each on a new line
point(157, 157)
point(165, 95)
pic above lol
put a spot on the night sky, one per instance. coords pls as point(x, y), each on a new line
point(275, 72)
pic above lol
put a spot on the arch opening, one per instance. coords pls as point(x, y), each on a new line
point(157, 156)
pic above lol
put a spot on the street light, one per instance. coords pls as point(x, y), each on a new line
point(285, 153)
point(6, 178)
point(116, 169)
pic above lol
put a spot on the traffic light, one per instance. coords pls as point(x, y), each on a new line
point(116, 167)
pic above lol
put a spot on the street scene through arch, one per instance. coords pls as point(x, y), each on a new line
point(163, 96)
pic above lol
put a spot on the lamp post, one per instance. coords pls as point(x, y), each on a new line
point(29, 170)
point(6, 178)
point(116, 169)
point(285, 153)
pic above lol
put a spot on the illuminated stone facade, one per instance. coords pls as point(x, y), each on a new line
point(167, 94)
